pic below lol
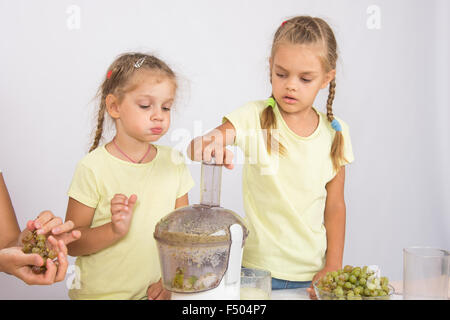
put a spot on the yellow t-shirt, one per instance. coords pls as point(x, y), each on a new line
point(126, 269)
point(284, 197)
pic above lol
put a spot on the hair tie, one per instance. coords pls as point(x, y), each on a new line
point(336, 125)
point(271, 102)
point(284, 22)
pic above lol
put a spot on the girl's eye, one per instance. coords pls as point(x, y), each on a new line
point(280, 75)
point(306, 80)
point(144, 107)
point(166, 108)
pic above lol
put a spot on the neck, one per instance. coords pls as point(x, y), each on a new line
point(129, 149)
point(302, 116)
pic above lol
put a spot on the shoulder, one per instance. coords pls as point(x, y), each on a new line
point(327, 124)
point(93, 158)
point(169, 156)
point(247, 115)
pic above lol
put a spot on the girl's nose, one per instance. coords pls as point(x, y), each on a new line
point(291, 85)
point(157, 114)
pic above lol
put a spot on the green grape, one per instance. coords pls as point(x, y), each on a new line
point(338, 291)
point(362, 281)
point(52, 254)
point(334, 274)
point(352, 279)
point(358, 290)
point(346, 276)
point(350, 293)
point(36, 250)
point(348, 285)
point(367, 292)
point(348, 268)
point(356, 272)
point(384, 281)
point(41, 237)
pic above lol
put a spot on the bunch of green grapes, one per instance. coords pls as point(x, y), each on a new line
point(353, 283)
point(37, 243)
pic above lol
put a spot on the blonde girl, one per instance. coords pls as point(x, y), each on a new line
point(293, 178)
point(121, 189)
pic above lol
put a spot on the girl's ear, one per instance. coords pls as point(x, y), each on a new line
point(328, 78)
point(112, 106)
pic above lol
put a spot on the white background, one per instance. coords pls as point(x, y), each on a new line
point(392, 90)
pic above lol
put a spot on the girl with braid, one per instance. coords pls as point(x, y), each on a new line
point(121, 189)
point(293, 176)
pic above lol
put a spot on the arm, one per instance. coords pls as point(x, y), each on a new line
point(334, 220)
point(92, 239)
point(9, 228)
point(213, 144)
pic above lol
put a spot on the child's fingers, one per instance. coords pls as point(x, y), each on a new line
point(65, 227)
point(119, 208)
point(132, 201)
point(207, 153)
point(153, 291)
point(228, 159)
point(68, 237)
point(30, 225)
point(119, 198)
point(48, 226)
point(43, 218)
point(63, 264)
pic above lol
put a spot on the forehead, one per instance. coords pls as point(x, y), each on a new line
point(148, 82)
point(299, 57)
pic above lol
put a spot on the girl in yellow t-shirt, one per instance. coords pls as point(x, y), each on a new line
point(121, 189)
point(293, 177)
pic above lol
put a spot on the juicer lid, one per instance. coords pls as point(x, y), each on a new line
point(198, 224)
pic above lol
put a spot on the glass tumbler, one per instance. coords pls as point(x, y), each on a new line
point(256, 284)
point(425, 273)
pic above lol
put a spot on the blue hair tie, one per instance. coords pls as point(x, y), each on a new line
point(271, 102)
point(336, 125)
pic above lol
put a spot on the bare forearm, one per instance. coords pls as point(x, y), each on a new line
point(335, 226)
point(93, 240)
point(9, 228)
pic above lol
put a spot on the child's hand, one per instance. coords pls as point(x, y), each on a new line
point(121, 211)
point(204, 148)
point(46, 222)
point(317, 276)
point(156, 291)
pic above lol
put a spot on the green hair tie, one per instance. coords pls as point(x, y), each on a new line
point(271, 102)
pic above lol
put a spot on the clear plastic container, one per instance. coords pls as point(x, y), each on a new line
point(194, 241)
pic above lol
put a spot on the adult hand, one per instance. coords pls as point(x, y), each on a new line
point(13, 261)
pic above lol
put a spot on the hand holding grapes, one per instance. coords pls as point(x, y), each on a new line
point(24, 266)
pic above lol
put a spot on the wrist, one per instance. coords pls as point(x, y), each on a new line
point(116, 235)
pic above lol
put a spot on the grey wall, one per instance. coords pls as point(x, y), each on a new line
point(392, 90)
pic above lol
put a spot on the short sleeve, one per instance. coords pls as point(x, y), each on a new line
point(186, 182)
point(348, 151)
point(246, 122)
point(84, 186)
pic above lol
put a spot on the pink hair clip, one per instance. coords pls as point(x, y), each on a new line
point(108, 75)
point(284, 22)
